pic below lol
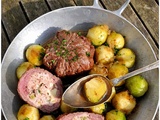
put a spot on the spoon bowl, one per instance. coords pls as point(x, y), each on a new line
point(74, 94)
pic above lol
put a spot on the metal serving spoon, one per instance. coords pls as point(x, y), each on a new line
point(74, 95)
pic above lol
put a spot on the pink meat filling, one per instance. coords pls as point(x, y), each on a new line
point(41, 89)
point(81, 116)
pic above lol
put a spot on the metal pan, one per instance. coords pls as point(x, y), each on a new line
point(79, 18)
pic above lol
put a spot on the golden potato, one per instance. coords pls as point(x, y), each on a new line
point(104, 54)
point(98, 109)
point(47, 117)
point(28, 112)
point(115, 40)
point(98, 34)
point(35, 54)
point(66, 109)
point(117, 70)
point(124, 102)
point(22, 68)
point(126, 56)
point(115, 115)
point(94, 89)
point(99, 69)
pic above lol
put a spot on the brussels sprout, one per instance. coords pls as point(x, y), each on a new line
point(115, 115)
point(117, 70)
point(22, 68)
point(126, 56)
point(115, 40)
point(47, 117)
point(99, 69)
point(35, 54)
point(104, 54)
point(66, 109)
point(137, 85)
point(98, 109)
point(94, 89)
point(28, 112)
point(124, 102)
point(98, 34)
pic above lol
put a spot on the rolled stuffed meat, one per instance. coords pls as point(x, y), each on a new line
point(81, 116)
point(41, 89)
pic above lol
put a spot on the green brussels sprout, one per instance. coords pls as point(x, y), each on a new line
point(137, 85)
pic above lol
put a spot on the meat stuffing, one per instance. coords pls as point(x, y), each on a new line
point(68, 53)
point(80, 116)
point(41, 89)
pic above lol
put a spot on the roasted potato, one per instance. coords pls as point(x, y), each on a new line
point(99, 69)
point(94, 89)
point(137, 85)
point(35, 54)
point(115, 40)
point(98, 34)
point(65, 108)
point(22, 68)
point(28, 112)
point(124, 102)
point(98, 109)
point(47, 117)
point(115, 115)
point(117, 70)
point(104, 55)
point(126, 56)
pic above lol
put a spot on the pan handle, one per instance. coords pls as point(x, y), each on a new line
point(117, 12)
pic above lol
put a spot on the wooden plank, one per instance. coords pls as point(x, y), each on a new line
point(130, 15)
point(84, 2)
point(67, 3)
point(34, 8)
point(4, 43)
point(148, 12)
point(12, 17)
point(54, 4)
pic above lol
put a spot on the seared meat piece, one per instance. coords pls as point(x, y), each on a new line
point(68, 54)
point(41, 89)
point(81, 116)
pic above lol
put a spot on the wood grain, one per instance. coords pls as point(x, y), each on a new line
point(34, 8)
point(12, 17)
point(54, 4)
point(4, 43)
point(148, 12)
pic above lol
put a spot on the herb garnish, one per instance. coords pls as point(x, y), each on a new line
point(53, 61)
point(88, 54)
point(79, 33)
point(26, 118)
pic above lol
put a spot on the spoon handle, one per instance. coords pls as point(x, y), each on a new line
point(151, 66)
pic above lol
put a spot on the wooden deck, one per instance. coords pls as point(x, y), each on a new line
point(16, 14)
